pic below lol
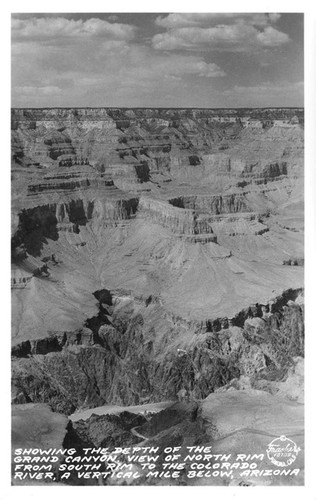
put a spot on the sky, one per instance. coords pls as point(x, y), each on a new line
point(157, 60)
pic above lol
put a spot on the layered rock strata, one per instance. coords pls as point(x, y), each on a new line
point(158, 257)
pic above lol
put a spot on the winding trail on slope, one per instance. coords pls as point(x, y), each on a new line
point(137, 434)
point(257, 431)
point(242, 429)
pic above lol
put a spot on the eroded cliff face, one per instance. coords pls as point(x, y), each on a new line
point(154, 186)
point(131, 354)
point(157, 256)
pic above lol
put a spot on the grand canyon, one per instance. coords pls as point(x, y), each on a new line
point(157, 281)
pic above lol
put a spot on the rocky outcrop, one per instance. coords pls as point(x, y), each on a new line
point(120, 361)
point(40, 222)
point(107, 431)
point(58, 183)
point(213, 205)
point(55, 342)
point(179, 221)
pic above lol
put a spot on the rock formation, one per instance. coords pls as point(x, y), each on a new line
point(157, 255)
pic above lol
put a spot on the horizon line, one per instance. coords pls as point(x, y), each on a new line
point(156, 107)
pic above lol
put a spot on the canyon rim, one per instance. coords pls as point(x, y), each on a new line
point(157, 188)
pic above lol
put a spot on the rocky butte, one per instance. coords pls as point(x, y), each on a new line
point(157, 270)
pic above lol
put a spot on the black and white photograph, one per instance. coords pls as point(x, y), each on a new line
point(157, 249)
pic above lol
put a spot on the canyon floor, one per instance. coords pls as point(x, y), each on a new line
point(157, 275)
